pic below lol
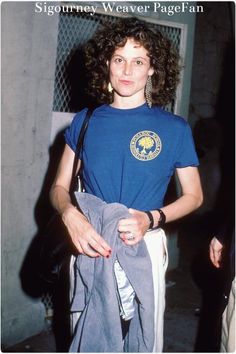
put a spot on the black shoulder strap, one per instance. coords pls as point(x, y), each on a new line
point(83, 131)
point(81, 140)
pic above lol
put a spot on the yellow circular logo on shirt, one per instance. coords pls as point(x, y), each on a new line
point(145, 145)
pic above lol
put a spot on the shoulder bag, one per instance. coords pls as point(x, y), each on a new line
point(56, 245)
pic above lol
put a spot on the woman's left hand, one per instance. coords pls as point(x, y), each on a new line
point(134, 228)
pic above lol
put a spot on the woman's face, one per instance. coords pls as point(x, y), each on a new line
point(129, 70)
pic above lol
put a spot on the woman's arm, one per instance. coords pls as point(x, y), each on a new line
point(83, 235)
point(191, 198)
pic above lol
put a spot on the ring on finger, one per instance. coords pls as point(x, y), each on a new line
point(130, 236)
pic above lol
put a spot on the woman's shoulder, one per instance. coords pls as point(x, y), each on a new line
point(82, 113)
point(169, 117)
point(79, 116)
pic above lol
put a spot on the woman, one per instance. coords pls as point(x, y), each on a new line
point(132, 147)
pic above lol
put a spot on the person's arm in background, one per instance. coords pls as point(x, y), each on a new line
point(223, 237)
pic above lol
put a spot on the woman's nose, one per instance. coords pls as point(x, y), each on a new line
point(127, 68)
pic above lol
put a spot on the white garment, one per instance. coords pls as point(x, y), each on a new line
point(125, 292)
point(74, 316)
point(228, 324)
point(157, 247)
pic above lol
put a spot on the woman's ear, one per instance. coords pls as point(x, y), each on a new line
point(150, 71)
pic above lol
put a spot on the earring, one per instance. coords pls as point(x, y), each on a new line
point(109, 88)
point(148, 92)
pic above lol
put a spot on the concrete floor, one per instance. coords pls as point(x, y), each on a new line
point(182, 298)
point(181, 322)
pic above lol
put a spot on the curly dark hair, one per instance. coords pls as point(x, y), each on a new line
point(163, 58)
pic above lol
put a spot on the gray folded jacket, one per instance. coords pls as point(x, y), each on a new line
point(99, 326)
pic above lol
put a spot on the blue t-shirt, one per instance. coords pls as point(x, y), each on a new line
point(130, 155)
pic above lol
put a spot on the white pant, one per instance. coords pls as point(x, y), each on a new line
point(157, 248)
point(228, 324)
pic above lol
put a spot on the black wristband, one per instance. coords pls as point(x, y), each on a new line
point(162, 219)
point(149, 214)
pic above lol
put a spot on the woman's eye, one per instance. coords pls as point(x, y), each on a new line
point(118, 60)
point(139, 62)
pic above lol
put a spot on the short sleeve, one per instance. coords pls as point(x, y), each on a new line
point(186, 154)
point(72, 132)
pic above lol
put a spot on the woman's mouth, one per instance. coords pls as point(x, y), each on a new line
point(126, 82)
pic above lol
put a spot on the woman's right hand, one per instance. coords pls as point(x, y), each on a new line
point(83, 235)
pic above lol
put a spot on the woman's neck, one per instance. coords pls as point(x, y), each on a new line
point(127, 102)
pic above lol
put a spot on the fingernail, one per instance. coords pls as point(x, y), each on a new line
point(108, 256)
point(109, 251)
